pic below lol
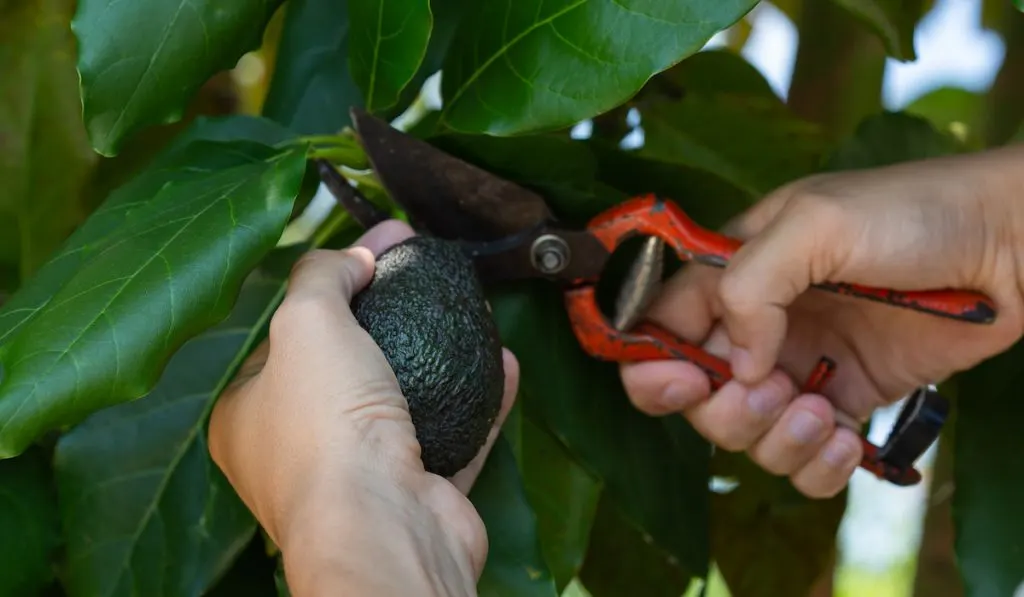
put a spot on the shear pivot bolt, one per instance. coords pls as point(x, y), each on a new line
point(549, 254)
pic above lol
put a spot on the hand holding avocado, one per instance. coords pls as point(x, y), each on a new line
point(316, 436)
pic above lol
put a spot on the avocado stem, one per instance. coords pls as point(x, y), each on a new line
point(363, 211)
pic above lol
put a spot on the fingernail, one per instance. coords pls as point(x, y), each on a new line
point(805, 427)
point(676, 396)
point(839, 454)
point(766, 398)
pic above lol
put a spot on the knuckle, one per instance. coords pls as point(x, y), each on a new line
point(820, 210)
point(730, 440)
point(772, 465)
point(734, 293)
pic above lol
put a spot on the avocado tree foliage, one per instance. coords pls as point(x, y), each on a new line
point(146, 235)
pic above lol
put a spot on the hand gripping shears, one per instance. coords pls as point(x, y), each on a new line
point(511, 234)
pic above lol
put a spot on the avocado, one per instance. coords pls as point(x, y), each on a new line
point(426, 310)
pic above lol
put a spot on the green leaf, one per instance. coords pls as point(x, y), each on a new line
point(564, 496)
point(709, 199)
point(890, 138)
point(954, 110)
point(736, 129)
point(622, 560)
point(520, 66)
point(279, 581)
point(29, 524)
point(989, 481)
point(312, 88)
point(388, 44)
point(145, 509)
point(515, 564)
point(45, 156)
point(161, 261)
point(894, 21)
point(710, 71)
point(764, 515)
point(141, 61)
point(659, 489)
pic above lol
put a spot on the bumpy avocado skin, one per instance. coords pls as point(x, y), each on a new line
point(426, 310)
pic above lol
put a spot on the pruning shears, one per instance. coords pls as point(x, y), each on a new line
point(510, 233)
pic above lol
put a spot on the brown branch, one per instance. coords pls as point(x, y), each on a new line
point(1005, 101)
point(837, 77)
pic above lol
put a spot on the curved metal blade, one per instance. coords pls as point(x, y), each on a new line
point(448, 197)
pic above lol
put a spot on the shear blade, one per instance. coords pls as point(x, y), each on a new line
point(449, 197)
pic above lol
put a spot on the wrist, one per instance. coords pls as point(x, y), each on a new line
point(366, 534)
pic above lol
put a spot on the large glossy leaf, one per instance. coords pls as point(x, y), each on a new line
point(709, 199)
point(515, 564)
point(159, 263)
point(564, 496)
point(767, 538)
point(312, 88)
point(29, 524)
point(141, 61)
point(735, 131)
point(45, 156)
point(145, 509)
point(716, 71)
point(894, 21)
point(989, 481)
point(889, 138)
point(660, 490)
point(528, 65)
point(622, 561)
point(388, 42)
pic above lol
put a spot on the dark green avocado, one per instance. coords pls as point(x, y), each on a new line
point(426, 310)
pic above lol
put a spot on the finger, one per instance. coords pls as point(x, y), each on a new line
point(662, 387)
point(384, 235)
point(766, 275)
point(830, 470)
point(465, 478)
point(735, 417)
point(798, 436)
point(340, 274)
point(330, 276)
point(683, 308)
point(686, 304)
point(671, 386)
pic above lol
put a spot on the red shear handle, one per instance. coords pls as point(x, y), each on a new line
point(647, 343)
point(648, 215)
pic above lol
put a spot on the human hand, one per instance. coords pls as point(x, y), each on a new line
point(951, 222)
point(315, 436)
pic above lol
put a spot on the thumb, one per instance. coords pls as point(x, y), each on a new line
point(799, 247)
